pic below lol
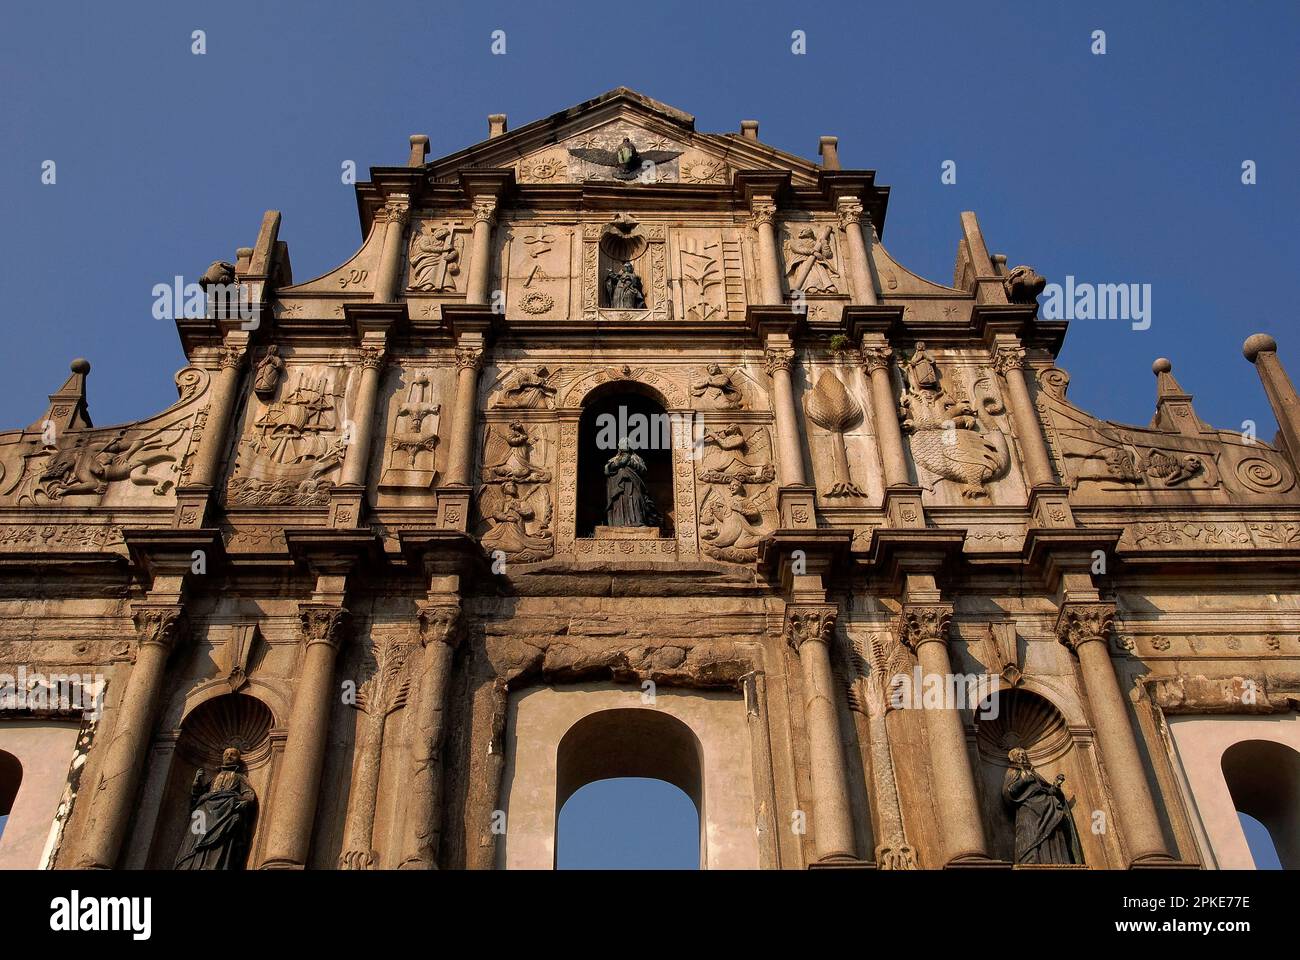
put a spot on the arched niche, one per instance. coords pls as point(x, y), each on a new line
point(559, 739)
point(1017, 717)
point(1263, 778)
point(624, 411)
point(230, 720)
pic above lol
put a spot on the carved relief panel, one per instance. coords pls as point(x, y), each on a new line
point(538, 270)
point(708, 277)
point(293, 440)
point(436, 257)
point(515, 499)
point(841, 437)
point(957, 428)
point(411, 442)
point(135, 464)
point(814, 270)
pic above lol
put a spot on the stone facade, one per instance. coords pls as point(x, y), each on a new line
point(366, 549)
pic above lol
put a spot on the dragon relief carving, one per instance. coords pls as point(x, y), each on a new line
point(948, 438)
point(86, 461)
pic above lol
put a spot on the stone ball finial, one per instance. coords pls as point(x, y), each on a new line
point(1162, 365)
point(1257, 344)
point(81, 365)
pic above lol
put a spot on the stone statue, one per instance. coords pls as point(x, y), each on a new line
point(623, 289)
point(716, 389)
point(1023, 284)
point(221, 819)
point(628, 502)
point(1044, 829)
point(268, 373)
point(809, 257)
point(921, 371)
point(512, 516)
point(435, 261)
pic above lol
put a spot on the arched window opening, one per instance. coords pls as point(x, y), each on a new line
point(1261, 846)
point(1263, 777)
point(624, 414)
point(11, 778)
point(628, 823)
point(640, 776)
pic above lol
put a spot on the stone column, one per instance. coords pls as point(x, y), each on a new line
point(480, 263)
point(297, 784)
point(224, 389)
point(1010, 363)
point(439, 634)
point(859, 255)
point(809, 630)
point(924, 628)
point(790, 462)
point(378, 696)
point(358, 453)
point(395, 214)
point(877, 355)
point(158, 626)
point(1261, 350)
point(1084, 628)
point(469, 358)
point(769, 264)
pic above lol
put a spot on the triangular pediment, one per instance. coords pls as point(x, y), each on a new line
point(621, 137)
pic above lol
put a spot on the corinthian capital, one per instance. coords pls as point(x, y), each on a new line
point(439, 623)
point(804, 623)
point(850, 211)
point(323, 623)
point(469, 358)
point(1077, 623)
point(924, 623)
point(485, 210)
point(394, 211)
point(778, 358)
point(876, 358)
point(159, 624)
point(372, 358)
point(232, 355)
point(762, 212)
point(1009, 358)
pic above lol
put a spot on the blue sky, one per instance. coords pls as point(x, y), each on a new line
point(1117, 168)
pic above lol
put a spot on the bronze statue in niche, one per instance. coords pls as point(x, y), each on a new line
point(1044, 829)
point(221, 819)
point(623, 290)
point(627, 499)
